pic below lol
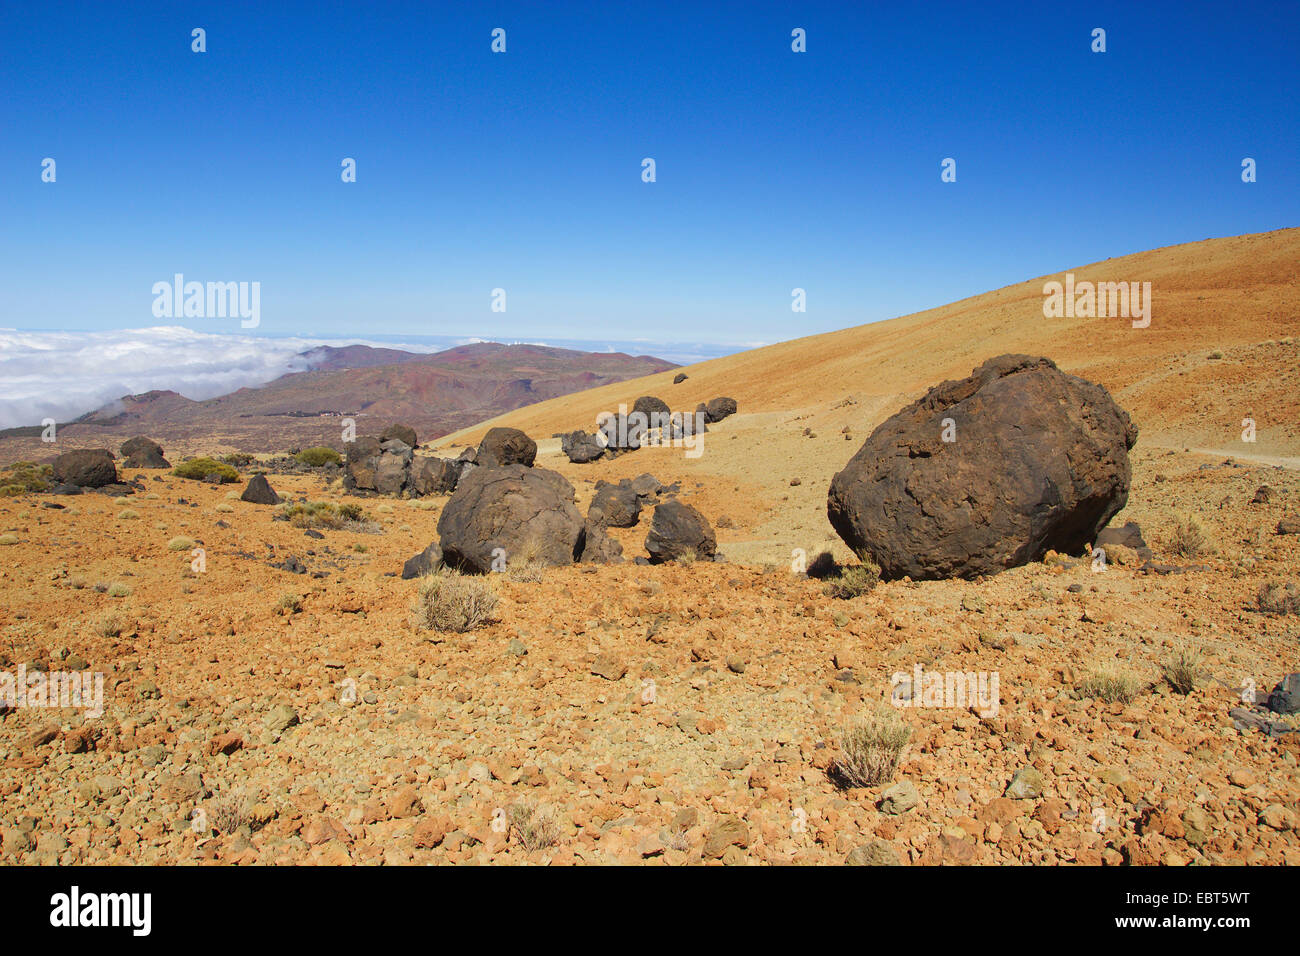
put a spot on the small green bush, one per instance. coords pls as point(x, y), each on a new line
point(200, 468)
point(316, 457)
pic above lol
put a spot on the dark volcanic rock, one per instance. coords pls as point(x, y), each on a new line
point(677, 529)
point(1285, 698)
point(362, 464)
point(622, 432)
point(619, 504)
point(719, 408)
point(506, 446)
point(426, 562)
point(434, 476)
point(390, 475)
point(1040, 462)
point(86, 468)
point(597, 546)
point(679, 378)
point(259, 492)
point(655, 410)
point(141, 452)
point(581, 447)
point(526, 512)
point(402, 433)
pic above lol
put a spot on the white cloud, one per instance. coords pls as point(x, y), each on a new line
point(62, 375)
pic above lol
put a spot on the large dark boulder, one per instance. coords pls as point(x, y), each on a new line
point(362, 464)
point(260, 492)
point(403, 433)
point(679, 378)
point(1039, 463)
point(505, 446)
point(655, 410)
point(526, 512)
point(618, 504)
point(141, 452)
point(434, 476)
point(677, 529)
point(621, 432)
point(719, 408)
point(391, 473)
point(581, 447)
point(86, 468)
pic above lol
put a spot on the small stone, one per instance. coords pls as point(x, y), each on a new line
point(728, 831)
point(281, 718)
point(875, 853)
point(609, 667)
point(1027, 784)
point(899, 798)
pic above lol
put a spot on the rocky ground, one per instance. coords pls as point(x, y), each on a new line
point(668, 714)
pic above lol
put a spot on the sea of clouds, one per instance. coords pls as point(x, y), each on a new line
point(62, 375)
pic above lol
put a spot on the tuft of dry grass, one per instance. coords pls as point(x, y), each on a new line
point(180, 543)
point(1188, 539)
point(108, 627)
point(1182, 670)
point(535, 827)
point(1110, 683)
point(871, 748)
point(451, 601)
point(853, 580)
point(528, 572)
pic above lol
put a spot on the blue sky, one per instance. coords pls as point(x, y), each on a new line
point(522, 170)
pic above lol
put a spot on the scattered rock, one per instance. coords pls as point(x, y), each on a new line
point(259, 492)
point(505, 446)
point(527, 512)
point(86, 468)
point(677, 529)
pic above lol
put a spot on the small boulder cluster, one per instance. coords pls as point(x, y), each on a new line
point(651, 421)
point(504, 512)
point(95, 469)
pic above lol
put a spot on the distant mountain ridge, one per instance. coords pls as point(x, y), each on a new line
point(435, 393)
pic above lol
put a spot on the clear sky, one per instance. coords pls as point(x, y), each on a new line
point(523, 171)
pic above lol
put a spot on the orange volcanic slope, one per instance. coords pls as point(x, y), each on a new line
point(1219, 349)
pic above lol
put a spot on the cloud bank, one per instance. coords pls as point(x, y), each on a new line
point(62, 375)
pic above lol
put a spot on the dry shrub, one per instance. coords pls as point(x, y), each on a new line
point(535, 827)
point(1277, 598)
point(1188, 539)
point(871, 748)
point(1182, 670)
point(451, 601)
point(528, 572)
point(326, 514)
point(854, 580)
point(1110, 683)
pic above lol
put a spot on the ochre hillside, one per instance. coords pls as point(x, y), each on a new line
point(1220, 348)
point(1212, 354)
